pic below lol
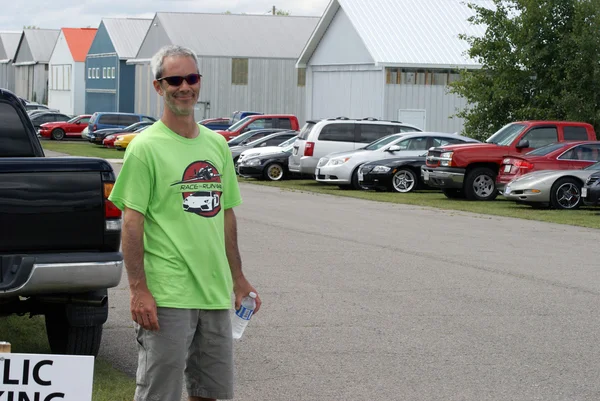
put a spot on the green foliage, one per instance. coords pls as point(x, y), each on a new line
point(282, 12)
point(541, 60)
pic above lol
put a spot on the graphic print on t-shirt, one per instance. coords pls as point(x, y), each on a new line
point(201, 189)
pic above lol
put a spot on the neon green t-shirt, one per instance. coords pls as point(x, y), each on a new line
point(182, 187)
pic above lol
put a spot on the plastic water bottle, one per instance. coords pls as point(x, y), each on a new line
point(242, 316)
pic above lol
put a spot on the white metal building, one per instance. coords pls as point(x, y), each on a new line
point(9, 41)
point(31, 63)
point(66, 86)
point(247, 61)
point(389, 59)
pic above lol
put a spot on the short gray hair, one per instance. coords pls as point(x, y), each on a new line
point(169, 51)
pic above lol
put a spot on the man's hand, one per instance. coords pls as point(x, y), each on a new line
point(242, 288)
point(143, 309)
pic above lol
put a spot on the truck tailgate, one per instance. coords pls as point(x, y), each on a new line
point(52, 204)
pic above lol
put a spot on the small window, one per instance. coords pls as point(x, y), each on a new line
point(285, 123)
point(110, 119)
point(301, 76)
point(239, 71)
point(103, 72)
point(575, 133)
point(541, 136)
point(127, 119)
point(338, 133)
point(112, 72)
point(392, 76)
point(582, 152)
point(372, 132)
point(260, 123)
point(14, 141)
point(89, 73)
point(98, 73)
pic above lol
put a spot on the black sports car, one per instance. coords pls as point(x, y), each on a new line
point(402, 174)
point(272, 166)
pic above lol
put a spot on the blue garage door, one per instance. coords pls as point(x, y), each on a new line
point(100, 102)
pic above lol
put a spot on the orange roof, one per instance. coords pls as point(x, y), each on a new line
point(79, 41)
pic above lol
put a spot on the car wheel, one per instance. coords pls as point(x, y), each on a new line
point(274, 172)
point(404, 181)
point(480, 184)
point(453, 193)
point(58, 134)
point(64, 338)
point(566, 194)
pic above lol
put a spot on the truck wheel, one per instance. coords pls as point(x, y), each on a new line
point(452, 193)
point(71, 340)
point(566, 194)
point(480, 184)
point(58, 134)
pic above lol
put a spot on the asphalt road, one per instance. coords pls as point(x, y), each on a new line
point(374, 301)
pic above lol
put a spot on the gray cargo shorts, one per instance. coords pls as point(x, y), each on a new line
point(193, 343)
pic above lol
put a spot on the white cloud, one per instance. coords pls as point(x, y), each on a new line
point(56, 14)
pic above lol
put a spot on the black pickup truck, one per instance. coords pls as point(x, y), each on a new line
point(59, 236)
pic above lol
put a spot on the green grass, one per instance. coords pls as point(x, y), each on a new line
point(82, 148)
point(28, 336)
point(583, 217)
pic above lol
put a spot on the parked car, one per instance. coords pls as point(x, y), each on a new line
point(560, 189)
point(47, 117)
point(470, 170)
point(36, 106)
point(253, 135)
point(60, 243)
point(266, 149)
point(399, 174)
point(261, 121)
point(110, 140)
point(590, 192)
point(115, 120)
point(274, 139)
point(60, 130)
point(98, 136)
point(216, 123)
point(556, 156)
point(322, 137)
point(271, 166)
point(341, 168)
point(240, 115)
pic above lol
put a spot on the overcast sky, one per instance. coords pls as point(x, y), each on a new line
point(55, 14)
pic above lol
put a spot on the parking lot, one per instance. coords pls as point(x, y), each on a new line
point(364, 300)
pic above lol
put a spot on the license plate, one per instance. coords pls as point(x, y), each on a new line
point(584, 192)
point(360, 176)
point(426, 175)
point(507, 168)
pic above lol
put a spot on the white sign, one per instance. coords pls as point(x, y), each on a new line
point(35, 377)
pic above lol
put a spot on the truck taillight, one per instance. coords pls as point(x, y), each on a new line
point(309, 149)
point(112, 214)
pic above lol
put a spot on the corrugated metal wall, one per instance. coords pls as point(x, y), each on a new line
point(272, 88)
point(24, 81)
point(7, 76)
point(439, 105)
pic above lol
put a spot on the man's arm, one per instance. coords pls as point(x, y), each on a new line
point(241, 286)
point(142, 304)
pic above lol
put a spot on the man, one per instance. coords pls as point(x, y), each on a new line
point(177, 189)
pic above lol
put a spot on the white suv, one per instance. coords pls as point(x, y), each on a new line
point(320, 138)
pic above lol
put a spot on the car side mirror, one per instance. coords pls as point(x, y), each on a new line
point(523, 143)
point(393, 148)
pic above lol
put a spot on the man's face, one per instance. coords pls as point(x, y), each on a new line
point(179, 99)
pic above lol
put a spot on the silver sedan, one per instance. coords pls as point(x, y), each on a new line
point(559, 189)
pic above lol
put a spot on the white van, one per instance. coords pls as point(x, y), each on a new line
point(320, 138)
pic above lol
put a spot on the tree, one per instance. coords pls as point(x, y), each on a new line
point(30, 27)
point(540, 60)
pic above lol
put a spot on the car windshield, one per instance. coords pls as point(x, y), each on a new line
point(241, 138)
point(544, 150)
point(73, 120)
point(237, 125)
point(595, 166)
point(381, 142)
point(288, 143)
point(506, 135)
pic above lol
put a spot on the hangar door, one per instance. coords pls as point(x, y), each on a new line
point(352, 94)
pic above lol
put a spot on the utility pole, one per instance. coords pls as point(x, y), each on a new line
point(273, 10)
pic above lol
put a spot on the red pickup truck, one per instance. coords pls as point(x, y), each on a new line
point(470, 170)
point(261, 121)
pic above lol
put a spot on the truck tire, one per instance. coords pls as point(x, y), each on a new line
point(480, 184)
point(67, 339)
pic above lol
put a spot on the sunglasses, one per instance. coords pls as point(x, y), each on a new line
point(175, 80)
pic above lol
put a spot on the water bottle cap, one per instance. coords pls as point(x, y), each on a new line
point(252, 294)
